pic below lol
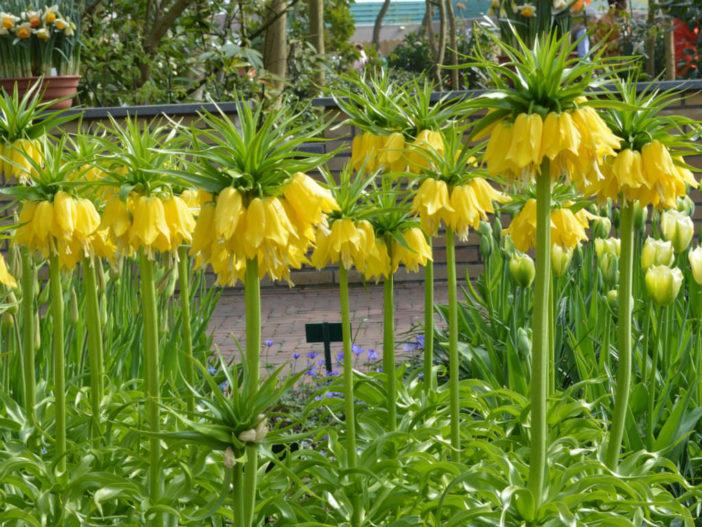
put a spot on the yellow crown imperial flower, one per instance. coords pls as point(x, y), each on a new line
point(663, 284)
point(365, 149)
point(417, 253)
point(345, 241)
point(179, 219)
point(18, 155)
point(5, 277)
point(523, 227)
point(471, 203)
point(377, 264)
point(391, 156)
point(227, 213)
point(204, 232)
point(149, 229)
point(525, 148)
point(566, 229)
point(677, 228)
point(432, 205)
point(418, 152)
point(309, 200)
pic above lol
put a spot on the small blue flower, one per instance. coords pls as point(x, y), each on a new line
point(311, 355)
point(320, 362)
point(311, 371)
point(223, 386)
point(409, 347)
point(43, 450)
point(296, 356)
point(332, 373)
point(317, 397)
point(356, 350)
point(331, 395)
point(340, 356)
point(379, 370)
point(211, 370)
point(326, 437)
point(269, 343)
point(372, 355)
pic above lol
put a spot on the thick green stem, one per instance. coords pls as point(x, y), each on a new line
point(453, 343)
point(698, 359)
point(652, 381)
point(188, 371)
point(59, 368)
point(389, 345)
point(252, 300)
point(551, 335)
point(429, 383)
point(94, 343)
point(621, 398)
point(540, 348)
point(349, 403)
point(151, 380)
point(28, 333)
point(239, 495)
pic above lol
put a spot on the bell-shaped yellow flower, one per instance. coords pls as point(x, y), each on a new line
point(377, 264)
point(64, 215)
point(417, 253)
point(278, 227)
point(87, 219)
point(228, 213)
point(559, 134)
point(116, 217)
point(420, 151)
point(663, 284)
point(365, 149)
point(656, 252)
point(43, 225)
point(678, 229)
point(255, 227)
point(432, 205)
point(471, 203)
point(5, 277)
point(24, 234)
point(18, 155)
point(695, 258)
point(179, 219)
point(523, 227)
point(525, 148)
point(566, 230)
point(204, 232)
point(149, 229)
point(345, 241)
point(392, 155)
point(309, 201)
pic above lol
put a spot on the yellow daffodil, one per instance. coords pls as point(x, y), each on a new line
point(23, 31)
point(663, 284)
point(43, 33)
point(8, 20)
point(50, 14)
point(526, 10)
point(678, 229)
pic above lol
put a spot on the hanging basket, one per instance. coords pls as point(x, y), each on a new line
point(52, 88)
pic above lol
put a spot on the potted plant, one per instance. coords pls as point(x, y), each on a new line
point(40, 41)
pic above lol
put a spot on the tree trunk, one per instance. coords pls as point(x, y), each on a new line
point(453, 39)
point(379, 24)
point(651, 40)
point(316, 36)
point(275, 50)
point(441, 47)
point(669, 51)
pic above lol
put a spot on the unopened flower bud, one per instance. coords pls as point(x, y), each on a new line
point(522, 269)
point(261, 428)
point(7, 320)
point(524, 342)
point(228, 458)
point(485, 246)
point(601, 227)
point(686, 205)
point(677, 228)
point(613, 299)
point(640, 217)
point(497, 228)
point(695, 257)
point(103, 311)
point(73, 315)
point(248, 436)
point(656, 252)
point(560, 259)
point(663, 284)
point(101, 278)
point(609, 265)
point(43, 297)
point(610, 245)
point(13, 303)
point(37, 332)
point(484, 228)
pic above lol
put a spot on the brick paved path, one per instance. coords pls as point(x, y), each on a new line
point(284, 313)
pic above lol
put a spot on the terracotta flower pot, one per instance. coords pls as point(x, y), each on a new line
point(52, 88)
